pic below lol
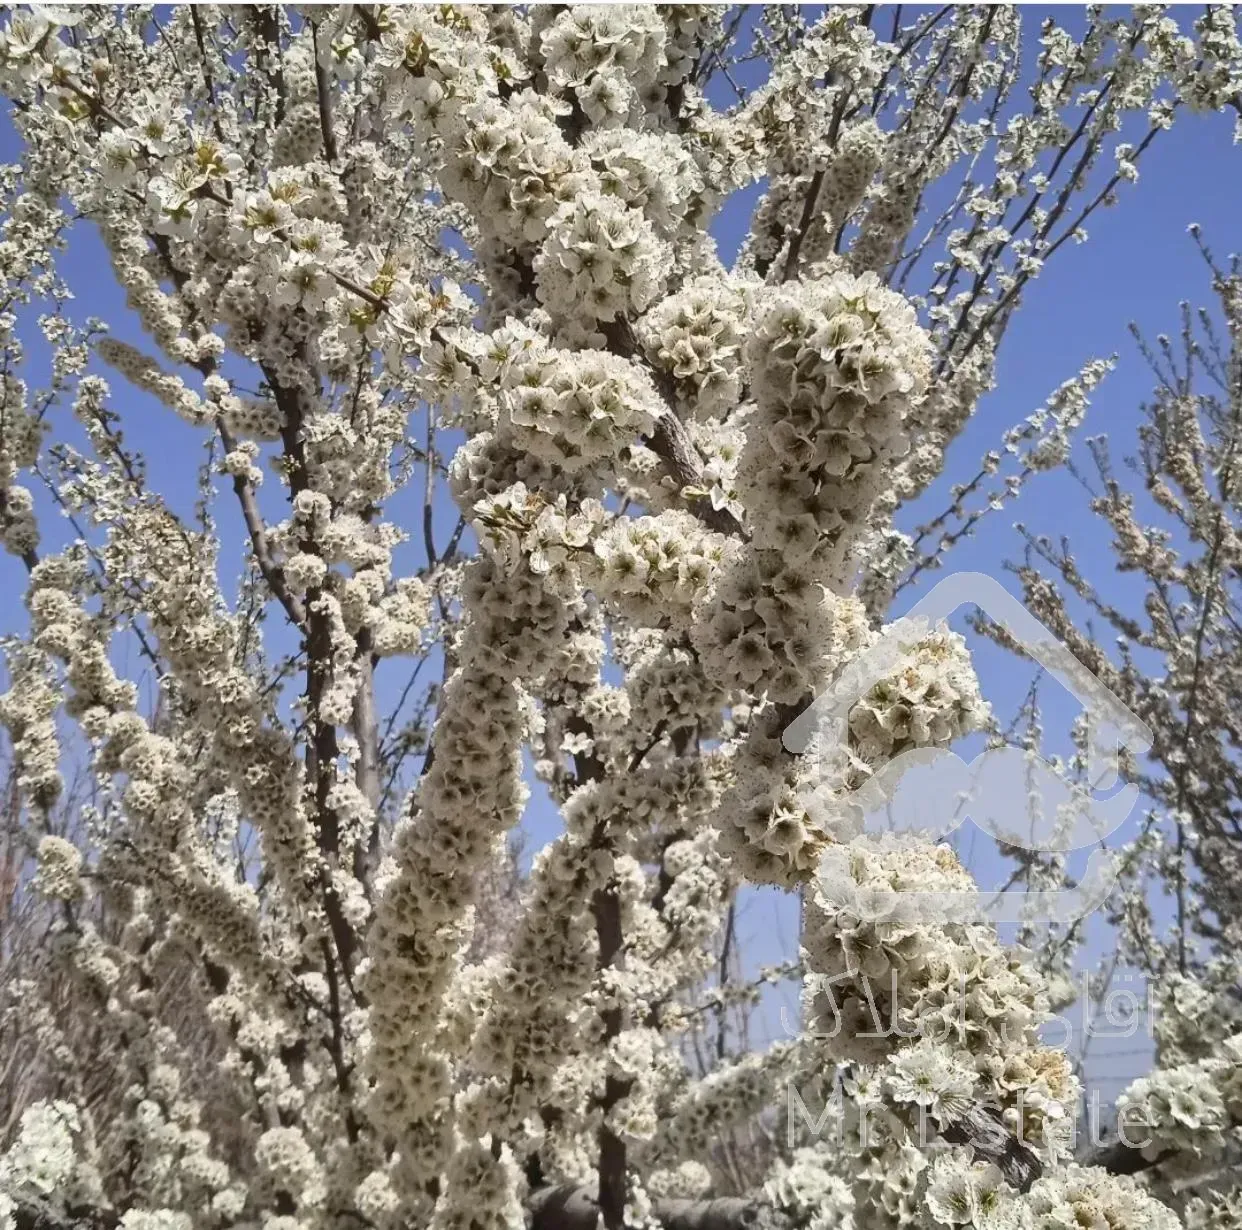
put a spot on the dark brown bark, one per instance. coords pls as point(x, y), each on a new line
point(991, 1141)
point(1117, 1157)
point(671, 444)
point(669, 439)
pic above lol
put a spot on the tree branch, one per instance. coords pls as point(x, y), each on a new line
point(323, 88)
point(1118, 1157)
point(259, 544)
point(991, 1141)
point(670, 440)
point(573, 1208)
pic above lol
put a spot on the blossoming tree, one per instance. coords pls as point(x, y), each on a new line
point(494, 222)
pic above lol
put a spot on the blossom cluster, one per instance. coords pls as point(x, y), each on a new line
point(1188, 1108)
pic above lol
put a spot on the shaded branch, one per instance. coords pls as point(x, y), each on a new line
point(573, 1208)
point(1117, 1157)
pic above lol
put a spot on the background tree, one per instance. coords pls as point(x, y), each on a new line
point(1172, 513)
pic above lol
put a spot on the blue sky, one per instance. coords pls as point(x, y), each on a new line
point(1138, 263)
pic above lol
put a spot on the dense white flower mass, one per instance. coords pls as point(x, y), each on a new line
point(490, 479)
point(1081, 1196)
point(695, 335)
point(1188, 1108)
point(572, 409)
point(60, 866)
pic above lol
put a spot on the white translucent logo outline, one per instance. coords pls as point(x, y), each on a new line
point(985, 787)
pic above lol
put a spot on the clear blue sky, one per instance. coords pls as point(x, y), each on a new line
point(1136, 266)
